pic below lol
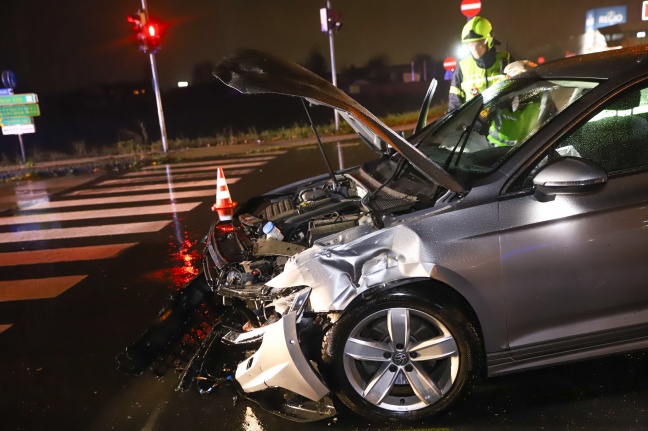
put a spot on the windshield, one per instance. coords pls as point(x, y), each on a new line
point(479, 136)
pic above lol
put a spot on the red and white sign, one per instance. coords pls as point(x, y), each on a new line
point(644, 11)
point(449, 63)
point(470, 8)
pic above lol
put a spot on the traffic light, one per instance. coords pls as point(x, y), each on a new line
point(137, 20)
point(151, 37)
point(330, 20)
point(148, 32)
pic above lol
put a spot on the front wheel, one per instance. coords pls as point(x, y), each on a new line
point(401, 357)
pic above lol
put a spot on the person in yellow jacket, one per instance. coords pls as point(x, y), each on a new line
point(516, 120)
point(482, 68)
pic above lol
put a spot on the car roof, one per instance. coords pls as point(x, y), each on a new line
point(618, 63)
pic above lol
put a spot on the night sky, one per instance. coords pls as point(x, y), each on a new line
point(54, 46)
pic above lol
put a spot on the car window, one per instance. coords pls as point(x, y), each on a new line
point(615, 137)
point(478, 137)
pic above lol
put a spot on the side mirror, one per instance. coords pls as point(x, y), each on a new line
point(568, 175)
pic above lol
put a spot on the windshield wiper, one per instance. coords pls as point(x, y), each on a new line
point(465, 133)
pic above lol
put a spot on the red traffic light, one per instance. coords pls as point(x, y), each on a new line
point(148, 32)
point(151, 37)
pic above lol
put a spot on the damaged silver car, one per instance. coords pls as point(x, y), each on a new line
point(507, 235)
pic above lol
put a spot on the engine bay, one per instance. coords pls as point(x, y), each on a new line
point(245, 253)
point(240, 257)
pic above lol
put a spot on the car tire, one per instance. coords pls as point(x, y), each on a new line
point(401, 357)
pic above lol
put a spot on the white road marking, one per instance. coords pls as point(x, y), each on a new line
point(123, 199)
point(176, 178)
point(57, 255)
point(149, 187)
point(188, 169)
point(102, 213)
point(37, 288)
point(156, 176)
point(222, 162)
point(83, 232)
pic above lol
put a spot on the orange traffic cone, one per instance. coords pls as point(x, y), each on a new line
point(224, 205)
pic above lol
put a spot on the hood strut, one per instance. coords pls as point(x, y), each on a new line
point(321, 147)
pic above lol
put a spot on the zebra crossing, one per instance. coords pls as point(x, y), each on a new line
point(115, 211)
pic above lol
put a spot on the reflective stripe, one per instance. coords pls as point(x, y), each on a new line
point(498, 141)
point(476, 81)
point(457, 91)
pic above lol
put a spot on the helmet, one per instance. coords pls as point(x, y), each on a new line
point(478, 28)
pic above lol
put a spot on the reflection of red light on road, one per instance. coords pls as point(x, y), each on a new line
point(187, 257)
point(182, 266)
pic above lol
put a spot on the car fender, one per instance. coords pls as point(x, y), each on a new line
point(339, 268)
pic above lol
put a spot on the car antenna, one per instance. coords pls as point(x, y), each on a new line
point(336, 186)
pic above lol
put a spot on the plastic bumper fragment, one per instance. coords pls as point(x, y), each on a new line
point(280, 362)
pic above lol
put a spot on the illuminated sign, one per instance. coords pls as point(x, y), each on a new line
point(606, 16)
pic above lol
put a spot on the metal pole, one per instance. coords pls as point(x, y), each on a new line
point(22, 148)
point(333, 74)
point(158, 98)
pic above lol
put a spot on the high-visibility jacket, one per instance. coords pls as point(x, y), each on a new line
point(470, 78)
point(511, 127)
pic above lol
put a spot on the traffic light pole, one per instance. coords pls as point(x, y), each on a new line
point(158, 97)
point(158, 100)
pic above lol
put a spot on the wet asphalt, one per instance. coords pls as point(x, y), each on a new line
point(57, 354)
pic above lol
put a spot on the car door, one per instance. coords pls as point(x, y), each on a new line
point(574, 268)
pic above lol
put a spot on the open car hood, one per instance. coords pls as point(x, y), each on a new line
point(255, 72)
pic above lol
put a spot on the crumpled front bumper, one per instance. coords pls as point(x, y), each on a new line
point(279, 376)
point(280, 362)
